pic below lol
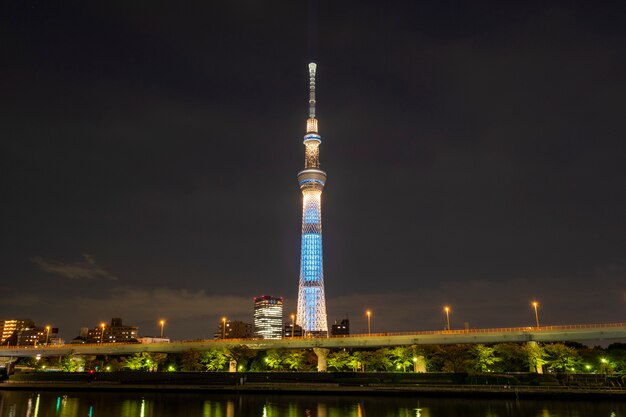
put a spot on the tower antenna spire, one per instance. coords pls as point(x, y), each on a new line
point(312, 68)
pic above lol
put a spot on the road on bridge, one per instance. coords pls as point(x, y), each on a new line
point(570, 333)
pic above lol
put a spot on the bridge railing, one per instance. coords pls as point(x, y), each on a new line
point(492, 330)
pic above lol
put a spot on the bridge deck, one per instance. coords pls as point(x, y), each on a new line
point(572, 333)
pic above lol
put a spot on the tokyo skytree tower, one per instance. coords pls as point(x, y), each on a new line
point(311, 300)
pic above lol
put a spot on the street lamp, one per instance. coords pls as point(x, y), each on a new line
point(293, 325)
point(102, 332)
point(47, 334)
point(369, 322)
point(162, 323)
point(447, 310)
point(223, 327)
point(414, 364)
point(536, 306)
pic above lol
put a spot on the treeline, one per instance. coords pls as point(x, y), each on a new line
point(501, 357)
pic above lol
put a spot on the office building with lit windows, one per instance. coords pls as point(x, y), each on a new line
point(268, 317)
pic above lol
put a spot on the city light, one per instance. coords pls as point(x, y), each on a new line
point(102, 325)
point(223, 327)
point(162, 323)
point(369, 322)
point(535, 305)
point(447, 311)
point(47, 334)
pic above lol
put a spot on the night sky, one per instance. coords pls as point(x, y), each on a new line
point(475, 151)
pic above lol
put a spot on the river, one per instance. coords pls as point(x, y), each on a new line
point(82, 404)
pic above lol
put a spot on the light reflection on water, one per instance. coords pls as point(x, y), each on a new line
point(44, 404)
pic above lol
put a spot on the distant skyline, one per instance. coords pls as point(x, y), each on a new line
point(150, 151)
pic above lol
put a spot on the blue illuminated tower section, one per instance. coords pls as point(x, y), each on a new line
point(311, 300)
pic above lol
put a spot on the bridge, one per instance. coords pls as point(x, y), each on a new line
point(569, 333)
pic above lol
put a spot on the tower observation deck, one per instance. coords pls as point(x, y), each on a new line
point(311, 315)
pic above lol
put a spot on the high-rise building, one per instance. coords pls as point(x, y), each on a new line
point(115, 333)
point(311, 315)
point(268, 317)
point(292, 330)
point(34, 336)
point(234, 329)
point(10, 328)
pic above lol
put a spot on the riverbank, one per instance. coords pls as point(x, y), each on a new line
point(489, 385)
point(462, 391)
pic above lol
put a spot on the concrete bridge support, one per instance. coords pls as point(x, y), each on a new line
point(322, 354)
point(419, 364)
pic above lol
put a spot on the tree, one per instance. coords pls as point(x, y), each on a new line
point(138, 361)
point(535, 355)
point(339, 361)
point(616, 354)
point(372, 361)
point(191, 361)
point(71, 363)
point(561, 358)
point(154, 360)
point(355, 361)
point(402, 356)
point(484, 357)
point(240, 354)
point(512, 357)
point(456, 358)
point(274, 360)
point(215, 359)
point(295, 359)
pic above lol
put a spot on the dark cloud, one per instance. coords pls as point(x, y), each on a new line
point(474, 154)
point(85, 269)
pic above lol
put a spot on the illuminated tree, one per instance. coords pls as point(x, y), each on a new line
point(561, 358)
point(339, 361)
point(144, 360)
point(154, 361)
point(484, 357)
point(402, 356)
point(71, 363)
point(295, 359)
point(215, 359)
point(274, 359)
point(535, 355)
point(356, 361)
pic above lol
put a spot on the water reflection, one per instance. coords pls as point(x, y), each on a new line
point(36, 404)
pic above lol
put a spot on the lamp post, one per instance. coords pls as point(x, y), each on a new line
point(369, 322)
point(293, 325)
point(223, 327)
point(102, 325)
point(162, 323)
point(535, 305)
point(47, 334)
point(447, 310)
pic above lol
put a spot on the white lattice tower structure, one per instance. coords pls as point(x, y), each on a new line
point(311, 314)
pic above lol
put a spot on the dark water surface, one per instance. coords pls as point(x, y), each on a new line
point(75, 404)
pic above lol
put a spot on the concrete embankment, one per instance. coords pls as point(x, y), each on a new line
point(465, 391)
point(424, 385)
